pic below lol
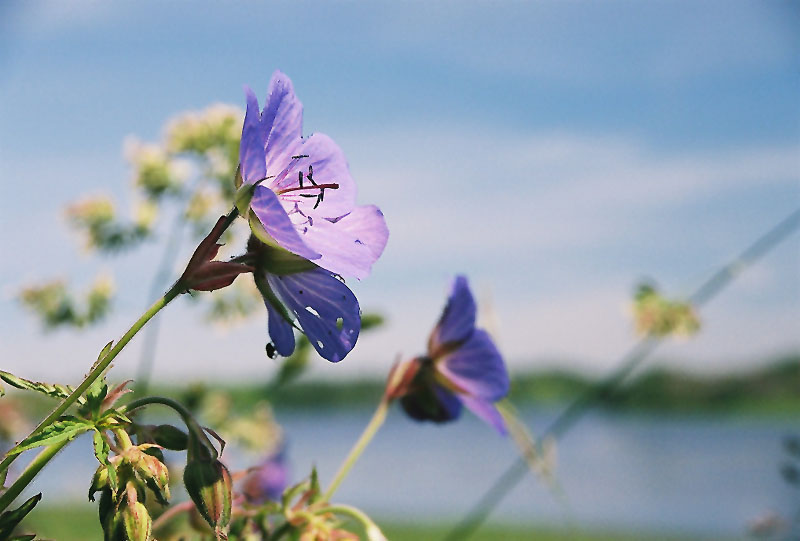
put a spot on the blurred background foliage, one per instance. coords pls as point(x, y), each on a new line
point(187, 175)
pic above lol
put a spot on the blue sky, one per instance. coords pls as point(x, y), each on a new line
point(555, 152)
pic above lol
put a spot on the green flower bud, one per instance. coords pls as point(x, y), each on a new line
point(209, 484)
point(137, 522)
point(156, 475)
point(99, 481)
point(170, 437)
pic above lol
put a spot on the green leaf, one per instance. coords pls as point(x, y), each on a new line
point(101, 450)
point(104, 351)
point(53, 390)
point(10, 519)
point(64, 429)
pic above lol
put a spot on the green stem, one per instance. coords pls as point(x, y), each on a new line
point(98, 370)
point(180, 409)
point(370, 528)
point(30, 472)
point(369, 432)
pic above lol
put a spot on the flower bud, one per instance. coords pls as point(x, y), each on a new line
point(156, 475)
point(137, 522)
point(99, 481)
point(170, 437)
point(209, 484)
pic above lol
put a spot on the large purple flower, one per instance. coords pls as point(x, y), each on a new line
point(307, 228)
point(304, 195)
point(462, 368)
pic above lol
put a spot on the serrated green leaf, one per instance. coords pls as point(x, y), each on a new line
point(64, 429)
point(101, 448)
point(53, 390)
point(10, 519)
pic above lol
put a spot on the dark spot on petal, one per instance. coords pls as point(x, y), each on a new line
point(300, 291)
point(272, 353)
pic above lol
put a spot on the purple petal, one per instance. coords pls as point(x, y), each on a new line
point(251, 147)
point(268, 481)
point(458, 318)
point(320, 301)
point(477, 368)
point(328, 166)
point(487, 411)
point(429, 401)
point(350, 245)
point(280, 331)
point(283, 122)
point(276, 222)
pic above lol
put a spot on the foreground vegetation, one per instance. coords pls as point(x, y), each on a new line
point(79, 523)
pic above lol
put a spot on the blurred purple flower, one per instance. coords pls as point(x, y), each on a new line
point(304, 199)
point(462, 368)
point(267, 481)
point(305, 196)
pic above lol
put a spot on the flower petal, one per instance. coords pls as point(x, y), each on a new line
point(281, 331)
point(328, 166)
point(251, 147)
point(476, 368)
point(283, 122)
point(458, 318)
point(276, 222)
point(350, 245)
point(487, 411)
point(321, 303)
point(431, 402)
point(268, 480)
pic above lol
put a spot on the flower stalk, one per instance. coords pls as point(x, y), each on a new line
point(369, 432)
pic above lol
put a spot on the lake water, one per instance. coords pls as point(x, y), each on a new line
point(691, 475)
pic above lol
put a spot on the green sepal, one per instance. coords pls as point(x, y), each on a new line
point(244, 194)
point(237, 179)
point(272, 298)
point(65, 428)
point(10, 519)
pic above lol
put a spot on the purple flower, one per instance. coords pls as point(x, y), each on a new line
point(307, 228)
point(315, 299)
point(462, 368)
point(267, 481)
point(305, 196)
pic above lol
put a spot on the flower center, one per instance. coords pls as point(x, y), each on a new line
point(313, 189)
